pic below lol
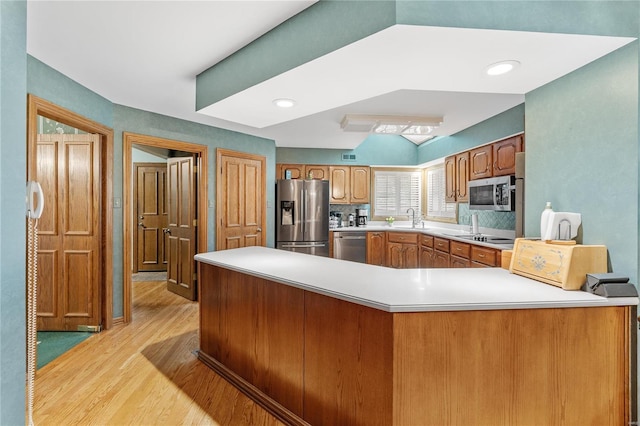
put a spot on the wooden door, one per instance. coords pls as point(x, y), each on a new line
point(481, 162)
point(69, 256)
point(360, 184)
point(150, 217)
point(241, 211)
point(450, 179)
point(181, 226)
point(339, 178)
point(462, 176)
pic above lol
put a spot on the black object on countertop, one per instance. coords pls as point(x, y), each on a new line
point(610, 285)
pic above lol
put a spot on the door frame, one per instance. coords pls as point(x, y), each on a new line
point(37, 106)
point(220, 204)
point(128, 140)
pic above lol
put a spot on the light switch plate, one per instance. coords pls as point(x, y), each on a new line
point(117, 203)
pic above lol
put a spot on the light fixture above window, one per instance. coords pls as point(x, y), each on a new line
point(415, 128)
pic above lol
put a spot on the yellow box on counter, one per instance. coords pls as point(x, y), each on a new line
point(506, 258)
point(560, 264)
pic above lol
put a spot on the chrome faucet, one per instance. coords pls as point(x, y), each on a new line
point(413, 216)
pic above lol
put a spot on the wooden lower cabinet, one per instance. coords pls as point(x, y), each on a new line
point(376, 248)
point(459, 262)
point(426, 257)
point(485, 256)
point(414, 250)
point(426, 251)
point(402, 250)
point(459, 254)
point(440, 259)
point(308, 357)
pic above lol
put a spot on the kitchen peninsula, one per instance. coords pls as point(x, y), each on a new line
point(326, 341)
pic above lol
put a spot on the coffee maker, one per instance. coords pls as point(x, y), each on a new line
point(362, 217)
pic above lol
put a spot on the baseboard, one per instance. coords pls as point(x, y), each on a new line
point(255, 394)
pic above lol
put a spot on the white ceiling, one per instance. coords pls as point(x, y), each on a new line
point(146, 55)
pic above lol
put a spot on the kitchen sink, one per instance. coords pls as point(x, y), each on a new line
point(499, 240)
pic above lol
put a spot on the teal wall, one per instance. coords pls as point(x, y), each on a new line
point(582, 154)
point(495, 128)
point(598, 17)
point(45, 82)
point(376, 150)
point(13, 165)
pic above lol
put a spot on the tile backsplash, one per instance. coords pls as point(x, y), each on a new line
point(345, 209)
point(487, 218)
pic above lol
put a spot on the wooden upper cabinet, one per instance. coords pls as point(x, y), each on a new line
point(481, 162)
point(349, 184)
point(450, 179)
point(504, 155)
point(297, 171)
point(301, 171)
point(456, 169)
point(462, 176)
point(360, 184)
point(317, 172)
point(340, 181)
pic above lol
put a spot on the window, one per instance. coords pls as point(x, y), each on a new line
point(395, 191)
point(437, 208)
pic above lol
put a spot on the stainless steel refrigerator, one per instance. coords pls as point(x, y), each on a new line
point(302, 216)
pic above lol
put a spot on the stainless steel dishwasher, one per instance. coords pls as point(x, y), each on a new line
point(350, 245)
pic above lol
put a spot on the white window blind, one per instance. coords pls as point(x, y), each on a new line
point(437, 207)
point(395, 192)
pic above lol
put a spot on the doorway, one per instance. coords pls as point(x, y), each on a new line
point(100, 148)
point(130, 224)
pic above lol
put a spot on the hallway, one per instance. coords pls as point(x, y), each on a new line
point(144, 373)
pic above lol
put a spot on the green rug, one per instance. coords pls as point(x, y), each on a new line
point(52, 344)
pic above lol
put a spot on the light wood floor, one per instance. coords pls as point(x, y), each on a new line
point(144, 373)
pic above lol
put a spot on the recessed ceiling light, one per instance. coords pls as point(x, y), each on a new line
point(502, 67)
point(284, 103)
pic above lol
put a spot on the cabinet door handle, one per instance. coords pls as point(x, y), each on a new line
point(480, 255)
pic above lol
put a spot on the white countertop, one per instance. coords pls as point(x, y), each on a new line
point(404, 290)
point(430, 230)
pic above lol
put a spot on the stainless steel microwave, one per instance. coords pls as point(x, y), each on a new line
point(497, 193)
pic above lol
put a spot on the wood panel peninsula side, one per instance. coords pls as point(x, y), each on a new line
point(322, 341)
